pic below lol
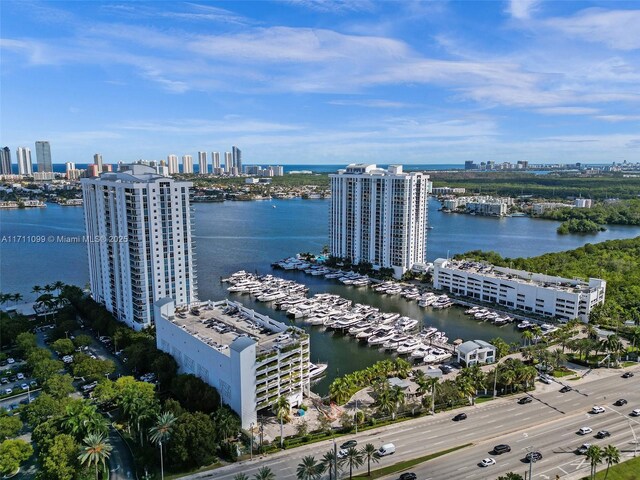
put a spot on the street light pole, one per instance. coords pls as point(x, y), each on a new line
point(356, 416)
point(161, 462)
point(251, 435)
point(495, 381)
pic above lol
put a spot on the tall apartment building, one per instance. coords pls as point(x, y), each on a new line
point(237, 158)
point(172, 161)
point(5, 161)
point(187, 164)
point(228, 162)
point(25, 164)
point(215, 160)
point(251, 359)
point(141, 247)
point(43, 156)
point(541, 294)
point(202, 163)
point(379, 216)
point(97, 160)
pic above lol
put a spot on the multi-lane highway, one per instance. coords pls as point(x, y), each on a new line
point(548, 425)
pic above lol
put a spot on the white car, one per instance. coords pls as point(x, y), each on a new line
point(585, 430)
point(486, 462)
point(636, 412)
point(597, 409)
point(8, 391)
point(20, 376)
point(342, 453)
point(10, 361)
point(24, 386)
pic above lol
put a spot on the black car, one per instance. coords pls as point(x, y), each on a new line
point(524, 400)
point(565, 389)
point(533, 456)
point(348, 444)
point(460, 416)
point(445, 368)
point(627, 375)
point(408, 476)
point(500, 449)
point(620, 402)
point(603, 434)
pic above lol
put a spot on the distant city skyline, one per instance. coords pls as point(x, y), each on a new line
point(313, 82)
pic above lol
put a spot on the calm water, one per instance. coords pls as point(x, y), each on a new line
point(250, 235)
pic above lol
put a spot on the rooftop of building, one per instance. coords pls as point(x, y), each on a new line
point(471, 345)
point(520, 276)
point(372, 169)
point(133, 173)
point(219, 324)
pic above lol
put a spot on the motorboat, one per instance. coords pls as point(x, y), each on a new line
point(317, 369)
point(409, 346)
point(381, 335)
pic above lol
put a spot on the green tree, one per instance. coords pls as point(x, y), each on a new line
point(611, 455)
point(12, 454)
point(282, 410)
point(502, 347)
point(26, 342)
point(82, 418)
point(92, 368)
point(369, 452)
point(9, 426)
point(63, 346)
point(160, 433)
point(227, 424)
point(42, 408)
point(309, 469)
point(59, 386)
point(353, 458)
point(240, 476)
point(58, 459)
point(510, 476)
point(264, 473)
point(96, 450)
point(594, 455)
point(192, 441)
point(82, 340)
point(45, 369)
point(331, 463)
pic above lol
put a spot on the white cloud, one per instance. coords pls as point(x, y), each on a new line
point(617, 29)
point(618, 118)
point(372, 103)
point(522, 9)
point(567, 110)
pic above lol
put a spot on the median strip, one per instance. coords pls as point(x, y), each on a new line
point(400, 466)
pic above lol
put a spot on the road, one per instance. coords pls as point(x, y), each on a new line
point(549, 424)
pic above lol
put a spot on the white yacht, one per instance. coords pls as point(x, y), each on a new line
point(409, 346)
point(395, 341)
point(404, 324)
point(381, 335)
point(317, 369)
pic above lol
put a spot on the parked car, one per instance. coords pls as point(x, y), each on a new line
point(545, 379)
point(582, 449)
point(524, 400)
point(342, 453)
point(627, 375)
point(486, 462)
point(20, 376)
point(533, 456)
point(4, 380)
point(349, 444)
point(3, 363)
point(33, 384)
point(13, 378)
point(24, 387)
point(460, 416)
point(635, 412)
point(445, 368)
point(603, 434)
point(500, 449)
point(8, 391)
point(620, 402)
point(585, 430)
point(597, 409)
point(565, 389)
point(10, 361)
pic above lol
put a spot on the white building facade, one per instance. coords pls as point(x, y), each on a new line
point(25, 163)
point(474, 352)
point(202, 163)
point(379, 216)
point(544, 295)
point(251, 359)
point(138, 227)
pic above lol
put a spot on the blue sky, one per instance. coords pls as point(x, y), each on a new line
point(314, 81)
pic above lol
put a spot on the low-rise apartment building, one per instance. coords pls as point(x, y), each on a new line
point(544, 295)
point(249, 358)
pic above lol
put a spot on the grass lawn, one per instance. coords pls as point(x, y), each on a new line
point(563, 373)
point(483, 400)
point(629, 470)
point(401, 466)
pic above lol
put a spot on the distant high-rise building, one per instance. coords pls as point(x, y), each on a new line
point(92, 171)
point(69, 167)
point(202, 163)
point(469, 165)
point(107, 168)
point(187, 164)
point(25, 164)
point(227, 162)
point(215, 160)
point(97, 160)
point(237, 158)
point(172, 161)
point(379, 216)
point(43, 156)
point(5, 161)
point(156, 261)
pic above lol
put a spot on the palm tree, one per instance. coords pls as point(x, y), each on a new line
point(36, 289)
point(558, 357)
point(281, 408)
point(329, 461)
point(240, 476)
point(508, 378)
point(432, 383)
point(612, 456)
point(309, 469)
point(369, 453)
point(397, 399)
point(340, 390)
point(58, 286)
point(353, 458)
point(16, 297)
point(384, 401)
point(527, 336)
point(466, 388)
point(161, 432)
point(264, 473)
point(420, 378)
point(97, 449)
point(82, 418)
point(594, 455)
